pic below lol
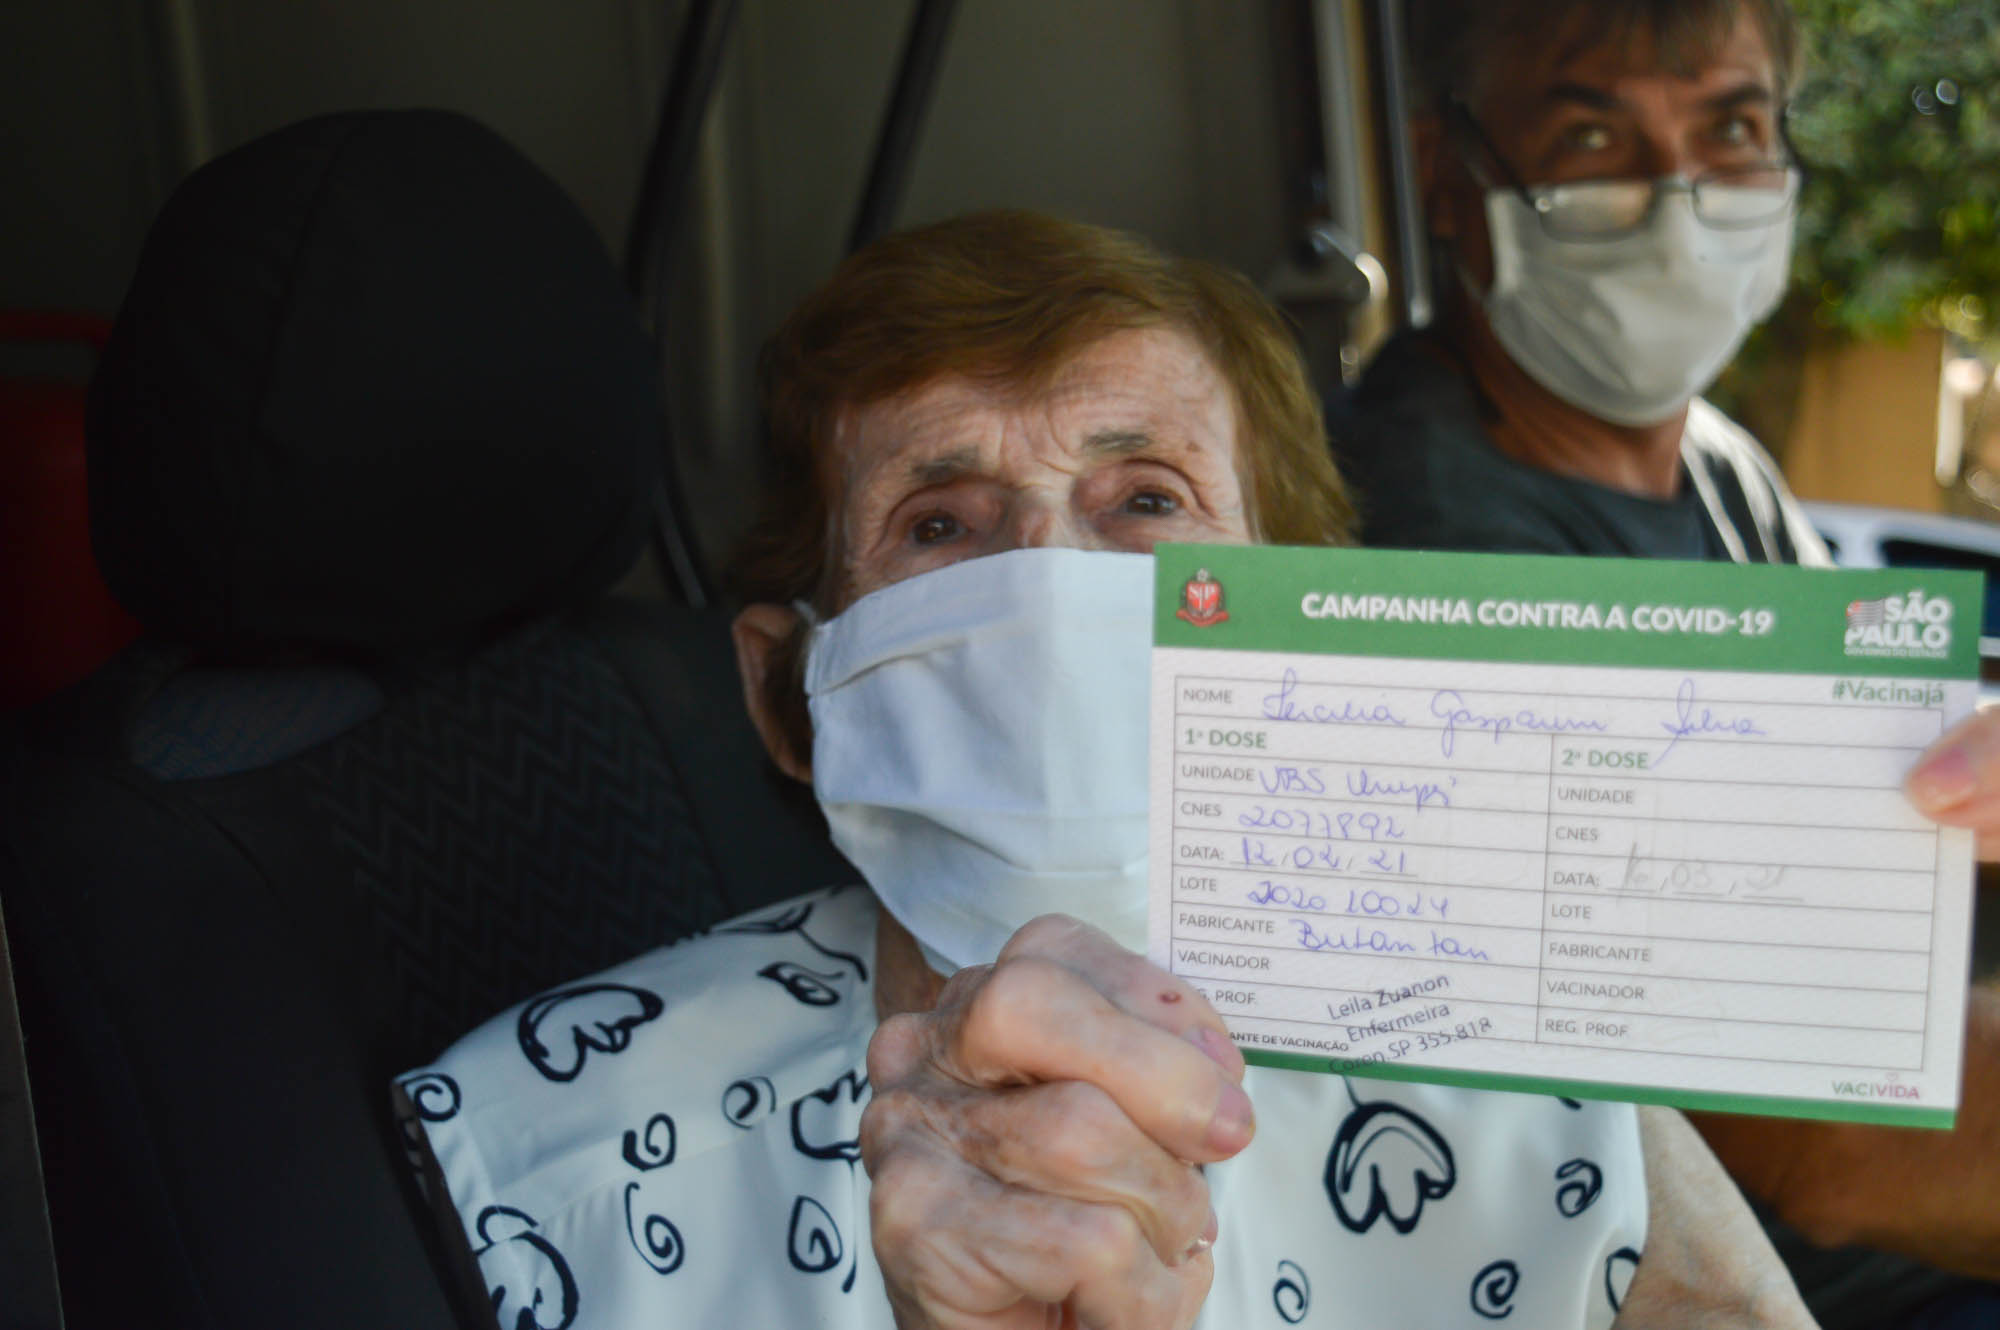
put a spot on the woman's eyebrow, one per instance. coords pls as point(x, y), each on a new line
point(946, 467)
point(960, 462)
point(1117, 442)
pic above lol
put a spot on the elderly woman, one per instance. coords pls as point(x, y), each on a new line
point(982, 428)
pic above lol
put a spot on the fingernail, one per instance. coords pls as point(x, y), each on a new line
point(1220, 1049)
point(1943, 778)
point(1234, 1121)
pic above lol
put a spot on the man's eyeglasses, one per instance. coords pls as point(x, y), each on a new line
point(1728, 198)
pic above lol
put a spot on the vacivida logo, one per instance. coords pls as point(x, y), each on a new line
point(1862, 1086)
point(1911, 626)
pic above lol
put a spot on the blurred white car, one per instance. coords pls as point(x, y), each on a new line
point(1866, 537)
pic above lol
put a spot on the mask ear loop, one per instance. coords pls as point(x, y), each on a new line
point(803, 608)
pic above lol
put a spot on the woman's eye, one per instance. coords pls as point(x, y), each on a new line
point(935, 529)
point(1152, 503)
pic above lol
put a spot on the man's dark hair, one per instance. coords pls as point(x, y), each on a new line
point(1455, 44)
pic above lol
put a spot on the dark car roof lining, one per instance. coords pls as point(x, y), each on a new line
point(659, 219)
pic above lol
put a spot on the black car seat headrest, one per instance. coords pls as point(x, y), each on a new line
point(375, 385)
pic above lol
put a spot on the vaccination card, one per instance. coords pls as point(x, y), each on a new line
point(1597, 828)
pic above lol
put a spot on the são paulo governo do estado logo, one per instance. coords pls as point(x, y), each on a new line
point(1911, 626)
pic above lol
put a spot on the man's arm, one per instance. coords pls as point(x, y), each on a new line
point(1931, 1195)
point(1707, 1264)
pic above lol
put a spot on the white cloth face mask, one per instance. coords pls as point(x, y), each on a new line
point(1630, 329)
point(979, 745)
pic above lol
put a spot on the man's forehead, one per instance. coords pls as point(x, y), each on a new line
point(1589, 53)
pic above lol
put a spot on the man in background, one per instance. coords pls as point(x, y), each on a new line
point(1610, 193)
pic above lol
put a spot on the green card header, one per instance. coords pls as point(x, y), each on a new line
point(1897, 622)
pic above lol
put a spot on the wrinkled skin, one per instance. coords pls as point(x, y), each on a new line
point(1033, 1141)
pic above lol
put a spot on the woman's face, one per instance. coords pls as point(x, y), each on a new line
point(1134, 441)
point(1131, 443)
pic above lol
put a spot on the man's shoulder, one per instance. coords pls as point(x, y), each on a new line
point(1410, 439)
point(1748, 488)
point(1412, 402)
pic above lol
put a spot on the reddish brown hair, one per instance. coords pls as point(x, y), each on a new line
point(1010, 297)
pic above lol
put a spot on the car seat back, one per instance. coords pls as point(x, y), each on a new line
point(375, 430)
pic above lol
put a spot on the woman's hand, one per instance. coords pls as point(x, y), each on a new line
point(1957, 780)
point(1032, 1141)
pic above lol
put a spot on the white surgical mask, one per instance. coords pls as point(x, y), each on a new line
point(979, 745)
point(1630, 329)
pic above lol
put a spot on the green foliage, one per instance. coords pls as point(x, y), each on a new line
point(1898, 122)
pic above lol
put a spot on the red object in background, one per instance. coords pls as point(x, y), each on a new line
point(58, 621)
